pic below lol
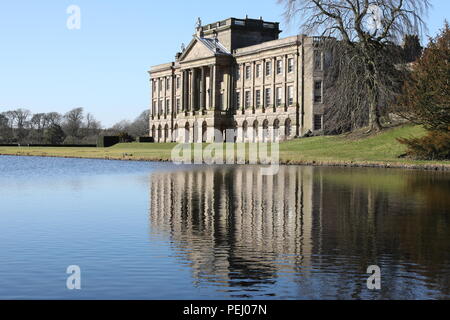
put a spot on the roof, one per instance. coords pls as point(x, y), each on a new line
point(214, 45)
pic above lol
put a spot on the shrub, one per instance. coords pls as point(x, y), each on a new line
point(107, 141)
point(434, 146)
point(145, 140)
point(125, 137)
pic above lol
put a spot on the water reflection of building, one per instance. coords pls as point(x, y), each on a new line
point(322, 226)
point(233, 222)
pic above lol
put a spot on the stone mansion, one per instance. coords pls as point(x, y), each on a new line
point(237, 74)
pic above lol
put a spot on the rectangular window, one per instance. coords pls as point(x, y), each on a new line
point(317, 122)
point(258, 70)
point(290, 95)
point(258, 98)
point(279, 66)
point(268, 68)
point(154, 108)
point(160, 84)
point(238, 73)
point(248, 72)
point(178, 82)
point(178, 105)
point(238, 100)
point(267, 97)
point(291, 65)
point(167, 106)
point(318, 65)
point(160, 108)
point(168, 84)
point(247, 99)
point(279, 95)
point(318, 91)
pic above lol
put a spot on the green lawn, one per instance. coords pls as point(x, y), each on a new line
point(379, 149)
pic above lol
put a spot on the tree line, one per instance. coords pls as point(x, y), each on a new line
point(21, 126)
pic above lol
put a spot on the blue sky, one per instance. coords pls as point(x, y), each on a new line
point(102, 67)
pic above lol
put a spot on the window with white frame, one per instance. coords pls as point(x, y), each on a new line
point(279, 66)
point(278, 96)
point(268, 97)
point(290, 65)
point(167, 106)
point(238, 99)
point(248, 72)
point(258, 70)
point(317, 122)
point(247, 99)
point(290, 95)
point(318, 91)
point(258, 98)
point(318, 63)
point(268, 68)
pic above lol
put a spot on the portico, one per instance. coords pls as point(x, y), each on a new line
point(236, 75)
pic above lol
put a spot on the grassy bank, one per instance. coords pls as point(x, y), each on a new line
point(356, 149)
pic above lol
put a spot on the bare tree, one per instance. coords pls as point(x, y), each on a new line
point(38, 124)
point(367, 30)
point(140, 126)
point(21, 122)
point(53, 118)
point(5, 129)
point(92, 127)
point(73, 121)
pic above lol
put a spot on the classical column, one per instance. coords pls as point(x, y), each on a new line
point(263, 91)
point(285, 69)
point(229, 89)
point(274, 76)
point(203, 89)
point(243, 75)
point(214, 87)
point(182, 91)
point(193, 90)
point(211, 87)
point(253, 85)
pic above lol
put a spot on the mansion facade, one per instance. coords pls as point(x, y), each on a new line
point(238, 82)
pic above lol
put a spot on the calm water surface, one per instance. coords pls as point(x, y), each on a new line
point(158, 231)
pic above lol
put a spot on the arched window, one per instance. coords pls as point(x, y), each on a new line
point(244, 131)
point(166, 133)
point(287, 128)
point(255, 131)
point(265, 130)
point(159, 133)
point(204, 131)
point(186, 133)
point(276, 130)
point(175, 133)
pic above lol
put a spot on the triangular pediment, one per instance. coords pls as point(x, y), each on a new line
point(203, 48)
point(196, 50)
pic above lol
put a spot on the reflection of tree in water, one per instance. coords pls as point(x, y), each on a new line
point(390, 215)
point(244, 231)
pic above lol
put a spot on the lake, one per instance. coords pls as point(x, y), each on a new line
point(141, 230)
